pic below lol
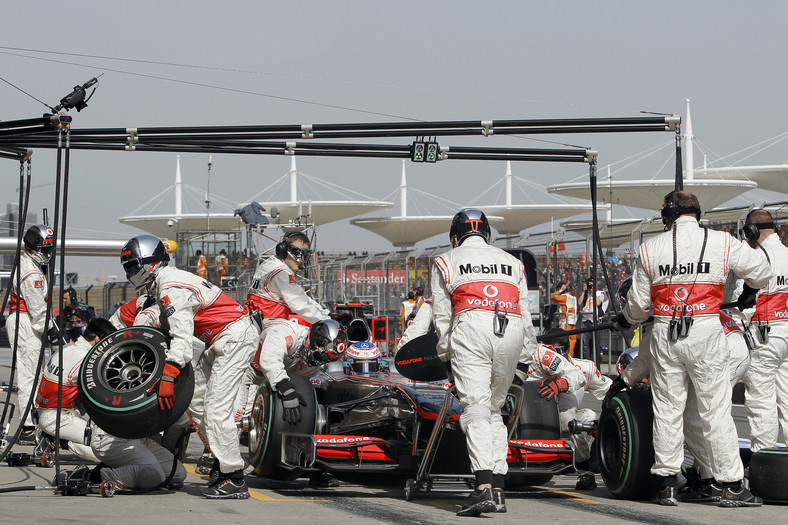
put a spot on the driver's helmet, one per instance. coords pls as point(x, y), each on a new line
point(362, 358)
point(39, 241)
point(326, 342)
point(141, 256)
point(626, 358)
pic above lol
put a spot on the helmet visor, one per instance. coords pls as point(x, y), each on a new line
point(365, 366)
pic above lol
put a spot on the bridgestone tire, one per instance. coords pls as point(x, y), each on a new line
point(265, 437)
point(539, 419)
point(118, 383)
point(769, 475)
point(626, 450)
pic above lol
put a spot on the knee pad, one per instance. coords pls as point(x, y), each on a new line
point(472, 413)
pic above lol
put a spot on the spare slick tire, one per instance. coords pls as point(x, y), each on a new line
point(769, 475)
point(118, 383)
point(626, 450)
point(268, 424)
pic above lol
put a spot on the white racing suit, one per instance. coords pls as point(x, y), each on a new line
point(582, 376)
point(701, 355)
point(134, 312)
point(467, 283)
point(766, 398)
point(275, 358)
point(29, 304)
point(72, 423)
point(274, 291)
point(193, 307)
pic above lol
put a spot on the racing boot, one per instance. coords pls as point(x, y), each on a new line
point(500, 500)
point(667, 493)
point(27, 437)
point(709, 490)
point(228, 486)
point(480, 500)
point(321, 479)
point(735, 495)
point(205, 463)
point(586, 481)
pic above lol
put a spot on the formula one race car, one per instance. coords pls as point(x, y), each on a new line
point(376, 422)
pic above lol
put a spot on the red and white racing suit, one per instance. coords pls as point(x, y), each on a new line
point(467, 283)
point(134, 313)
point(274, 291)
point(29, 305)
point(193, 307)
point(700, 357)
point(72, 424)
point(582, 376)
point(766, 384)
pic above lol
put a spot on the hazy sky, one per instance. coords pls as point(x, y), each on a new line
point(251, 62)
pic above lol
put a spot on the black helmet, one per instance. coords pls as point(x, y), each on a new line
point(327, 342)
point(468, 222)
point(141, 256)
point(623, 290)
point(39, 241)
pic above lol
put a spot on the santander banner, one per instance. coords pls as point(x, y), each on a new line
point(372, 277)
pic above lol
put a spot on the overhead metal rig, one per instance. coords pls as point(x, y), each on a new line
point(309, 139)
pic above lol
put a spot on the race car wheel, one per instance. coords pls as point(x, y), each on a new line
point(626, 452)
point(768, 475)
point(268, 423)
point(539, 419)
point(118, 383)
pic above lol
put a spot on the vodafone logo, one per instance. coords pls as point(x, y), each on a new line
point(490, 291)
point(681, 293)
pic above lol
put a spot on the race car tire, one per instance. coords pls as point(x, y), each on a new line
point(768, 475)
point(539, 419)
point(265, 435)
point(626, 452)
point(176, 440)
point(118, 379)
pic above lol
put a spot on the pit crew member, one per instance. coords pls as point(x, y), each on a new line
point(192, 306)
point(482, 319)
point(681, 274)
point(28, 306)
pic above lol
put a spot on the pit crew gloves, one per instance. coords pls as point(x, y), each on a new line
point(549, 389)
point(746, 298)
point(167, 386)
point(616, 386)
point(621, 324)
point(292, 401)
point(53, 336)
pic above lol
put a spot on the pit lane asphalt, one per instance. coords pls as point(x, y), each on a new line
point(294, 502)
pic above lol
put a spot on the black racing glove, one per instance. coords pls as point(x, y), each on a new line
point(53, 336)
point(621, 324)
point(747, 298)
point(617, 386)
point(292, 401)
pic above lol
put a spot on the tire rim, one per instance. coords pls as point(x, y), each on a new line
point(128, 367)
point(257, 435)
point(610, 449)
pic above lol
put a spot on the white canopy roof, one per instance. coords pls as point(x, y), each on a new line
point(403, 232)
point(649, 193)
point(519, 217)
point(772, 178)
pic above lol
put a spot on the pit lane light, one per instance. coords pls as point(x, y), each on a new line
point(417, 152)
point(432, 152)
